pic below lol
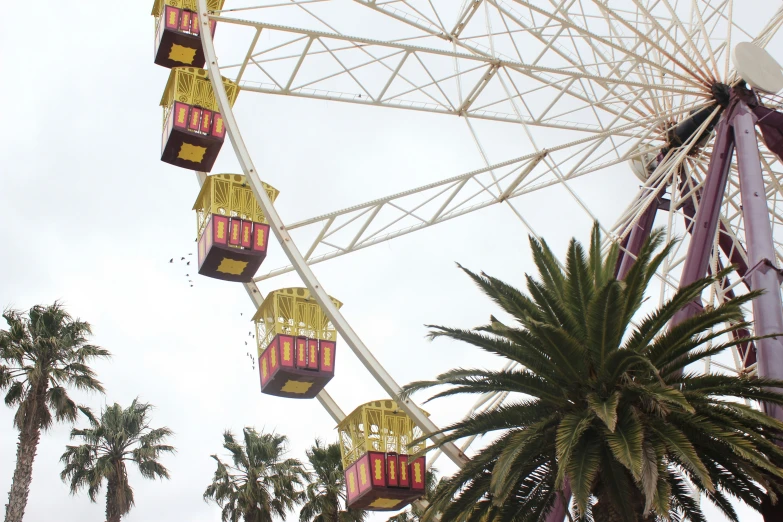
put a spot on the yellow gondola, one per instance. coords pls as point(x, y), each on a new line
point(383, 471)
point(296, 344)
point(177, 40)
point(193, 128)
point(233, 234)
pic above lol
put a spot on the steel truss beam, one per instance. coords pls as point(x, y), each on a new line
point(423, 79)
point(360, 226)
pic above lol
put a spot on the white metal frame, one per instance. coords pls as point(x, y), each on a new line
point(638, 78)
point(294, 255)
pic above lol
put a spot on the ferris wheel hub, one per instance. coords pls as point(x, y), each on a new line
point(643, 166)
point(758, 68)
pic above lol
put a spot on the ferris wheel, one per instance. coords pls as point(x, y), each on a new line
point(681, 95)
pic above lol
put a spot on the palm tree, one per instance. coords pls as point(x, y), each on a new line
point(43, 353)
point(603, 402)
point(259, 483)
point(118, 437)
point(325, 494)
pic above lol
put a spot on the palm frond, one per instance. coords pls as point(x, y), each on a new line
point(604, 404)
point(116, 436)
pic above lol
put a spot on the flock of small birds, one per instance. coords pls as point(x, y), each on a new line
point(251, 344)
point(252, 358)
point(186, 265)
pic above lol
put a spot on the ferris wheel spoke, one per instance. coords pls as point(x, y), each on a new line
point(361, 226)
point(364, 225)
point(550, 42)
point(259, 7)
point(422, 79)
point(611, 59)
point(572, 56)
point(769, 30)
point(706, 36)
point(436, 22)
point(595, 39)
point(487, 402)
point(649, 193)
point(408, 17)
point(679, 50)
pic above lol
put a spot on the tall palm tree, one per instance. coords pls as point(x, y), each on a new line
point(120, 436)
point(324, 496)
point(603, 402)
point(259, 482)
point(43, 353)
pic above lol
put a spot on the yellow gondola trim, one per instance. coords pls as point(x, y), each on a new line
point(229, 195)
point(191, 85)
point(232, 266)
point(378, 426)
point(294, 312)
point(384, 503)
point(296, 387)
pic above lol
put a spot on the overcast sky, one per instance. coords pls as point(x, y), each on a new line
point(92, 218)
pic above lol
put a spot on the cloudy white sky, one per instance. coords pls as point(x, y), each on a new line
point(92, 218)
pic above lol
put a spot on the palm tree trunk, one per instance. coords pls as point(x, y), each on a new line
point(112, 509)
point(335, 503)
point(26, 448)
point(23, 474)
point(604, 511)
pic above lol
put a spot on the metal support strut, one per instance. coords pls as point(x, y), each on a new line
point(736, 129)
point(705, 223)
point(764, 274)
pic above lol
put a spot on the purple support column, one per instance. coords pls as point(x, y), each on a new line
point(641, 231)
point(562, 500)
point(764, 275)
point(706, 220)
point(735, 255)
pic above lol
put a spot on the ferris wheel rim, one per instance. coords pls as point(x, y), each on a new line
point(291, 250)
